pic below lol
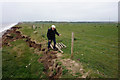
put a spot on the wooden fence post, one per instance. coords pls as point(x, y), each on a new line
point(72, 43)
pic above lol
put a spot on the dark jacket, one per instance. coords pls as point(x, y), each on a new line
point(51, 33)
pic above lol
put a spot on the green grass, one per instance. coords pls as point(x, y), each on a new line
point(16, 60)
point(66, 73)
point(98, 45)
point(95, 45)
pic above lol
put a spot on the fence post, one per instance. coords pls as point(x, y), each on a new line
point(72, 43)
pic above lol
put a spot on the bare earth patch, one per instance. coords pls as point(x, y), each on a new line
point(73, 66)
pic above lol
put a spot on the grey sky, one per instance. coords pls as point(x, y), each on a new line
point(59, 11)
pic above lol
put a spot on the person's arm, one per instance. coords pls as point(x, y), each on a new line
point(56, 32)
point(48, 34)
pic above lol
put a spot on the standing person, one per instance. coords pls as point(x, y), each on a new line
point(51, 36)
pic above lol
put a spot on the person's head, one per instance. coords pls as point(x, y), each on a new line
point(53, 27)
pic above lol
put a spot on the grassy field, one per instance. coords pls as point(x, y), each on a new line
point(95, 46)
point(20, 61)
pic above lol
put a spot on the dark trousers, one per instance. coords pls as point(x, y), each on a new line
point(49, 42)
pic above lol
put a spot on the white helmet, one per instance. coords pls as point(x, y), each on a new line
point(53, 26)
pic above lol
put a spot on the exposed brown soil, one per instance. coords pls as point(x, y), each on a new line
point(11, 35)
point(52, 69)
point(73, 66)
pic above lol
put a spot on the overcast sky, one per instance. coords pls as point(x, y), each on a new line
point(59, 11)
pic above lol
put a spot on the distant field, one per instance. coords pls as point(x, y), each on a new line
point(95, 44)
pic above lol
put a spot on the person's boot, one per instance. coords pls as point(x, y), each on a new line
point(55, 49)
point(48, 49)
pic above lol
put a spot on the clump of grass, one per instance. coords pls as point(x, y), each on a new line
point(14, 35)
point(65, 71)
point(43, 35)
